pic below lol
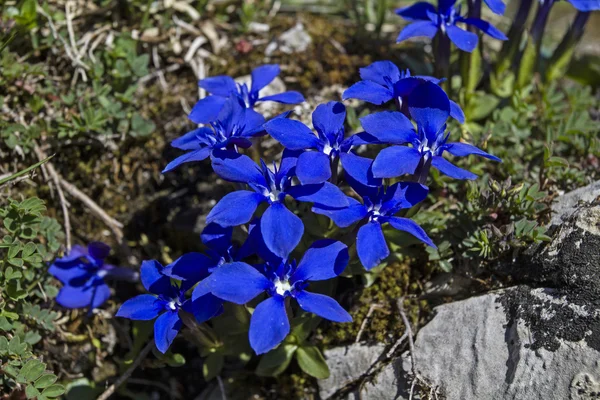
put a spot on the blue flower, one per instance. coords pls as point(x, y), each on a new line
point(329, 143)
point(379, 206)
point(82, 273)
point(583, 5)
point(240, 283)
point(428, 21)
point(168, 300)
point(233, 128)
point(382, 81)
point(223, 87)
point(430, 108)
point(281, 228)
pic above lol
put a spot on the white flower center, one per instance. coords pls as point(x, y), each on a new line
point(281, 287)
point(327, 149)
point(172, 305)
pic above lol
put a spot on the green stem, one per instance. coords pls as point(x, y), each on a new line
point(561, 58)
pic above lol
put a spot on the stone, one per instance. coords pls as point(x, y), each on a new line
point(294, 40)
point(566, 205)
point(346, 365)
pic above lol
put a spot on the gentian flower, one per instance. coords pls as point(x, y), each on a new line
point(581, 5)
point(167, 299)
point(233, 128)
point(329, 143)
point(223, 87)
point(281, 228)
point(428, 21)
point(379, 206)
point(382, 81)
point(82, 273)
point(240, 283)
point(430, 108)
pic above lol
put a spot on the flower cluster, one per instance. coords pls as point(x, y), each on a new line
point(321, 171)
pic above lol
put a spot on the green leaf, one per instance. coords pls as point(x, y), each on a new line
point(140, 126)
point(276, 361)
point(3, 345)
point(31, 392)
point(312, 362)
point(53, 390)
point(45, 380)
point(25, 171)
point(16, 347)
point(4, 324)
point(31, 371)
point(213, 364)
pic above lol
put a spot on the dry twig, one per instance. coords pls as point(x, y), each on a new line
point(111, 389)
point(363, 325)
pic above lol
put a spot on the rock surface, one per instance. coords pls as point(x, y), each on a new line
point(566, 204)
point(294, 40)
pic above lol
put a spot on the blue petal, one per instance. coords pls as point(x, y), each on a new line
point(269, 325)
point(252, 123)
point(329, 118)
point(381, 72)
point(464, 149)
point(221, 85)
point(120, 273)
point(73, 258)
point(429, 106)
point(98, 250)
point(497, 6)
point(323, 194)
point(190, 268)
point(66, 274)
point(586, 5)
point(237, 282)
point(389, 127)
point(396, 161)
point(236, 167)
point(370, 245)
point(196, 155)
point(325, 259)
point(403, 195)
point(207, 109)
point(407, 225)
point(263, 75)
point(447, 168)
point(166, 327)
point(486, 28)
point(255, 244)
point(190, 140)
point(313, 167)
point(417, 29)
point(235, 208)
point(204, 308)
point(153, 279)
point(346, 216)
point(217, 237)
point(404, 87)
point(368, 91)
point(84, 296)
point(143, 307)
point(456, 112)
point(417, 11)
point(358, 174)
point(292, 134)
point(291, 97)
point(323, 306)
point(464, 40)
point(281, 229)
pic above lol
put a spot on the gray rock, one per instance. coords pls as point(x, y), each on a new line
point(346, 365)
point(295, 40)
point(566, 204)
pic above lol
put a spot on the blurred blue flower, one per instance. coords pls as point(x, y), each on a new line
point(329, 144)
point(240, 283)
point(233, 128)
point(223, 87)
point(281, 228)
point(430, 108)
point(82, 273)
point(168, 299)
point(582, 5)
point(382, 81)
point(379, 206)
point(428, 21)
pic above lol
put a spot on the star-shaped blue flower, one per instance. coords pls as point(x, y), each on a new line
point(326, 147)
point(83, 272)
point(168, 300)
point(223, 87)
point(281, 228)
point(240, 283)
point(379, 206)
point(430, 108)
point(428, 21)
point(233, 128)
point(382, 82)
